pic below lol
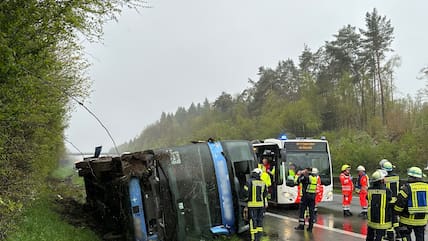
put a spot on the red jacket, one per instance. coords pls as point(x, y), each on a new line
point(347, 185)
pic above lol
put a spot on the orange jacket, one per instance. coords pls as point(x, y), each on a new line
point(347, 185)
point(362, 184)
point(319, 192)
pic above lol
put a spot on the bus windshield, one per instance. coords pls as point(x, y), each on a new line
point(320, 160)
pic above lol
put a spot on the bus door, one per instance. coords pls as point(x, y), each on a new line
point(271, 152)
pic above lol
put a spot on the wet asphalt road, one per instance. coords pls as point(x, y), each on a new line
point(279, 223)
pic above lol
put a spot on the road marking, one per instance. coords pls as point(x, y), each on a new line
point(356, 235)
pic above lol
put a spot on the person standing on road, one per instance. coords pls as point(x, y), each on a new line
point(257, 203)
point(309, 188)
point(379, 212)
point(392, 182)
point(361, 188)
point(347, 188)
point(411, 206)
point(319, 191)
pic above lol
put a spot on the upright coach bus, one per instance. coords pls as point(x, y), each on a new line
point(289, 156)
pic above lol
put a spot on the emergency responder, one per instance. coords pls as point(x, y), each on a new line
point(361, 188)
point(266, 172)
point(347, 188)
point(379, 213)
point(381, 162)
point(411, 205)
point(291, 172)
point(319, 191)
point(309, 187)
point(392, 182)
point(257, 203)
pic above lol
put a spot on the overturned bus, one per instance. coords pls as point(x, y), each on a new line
point(192, 192)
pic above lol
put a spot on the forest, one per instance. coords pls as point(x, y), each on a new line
point(42, 76)
point(344, 90)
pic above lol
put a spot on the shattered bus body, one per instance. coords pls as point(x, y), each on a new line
point(180, 193)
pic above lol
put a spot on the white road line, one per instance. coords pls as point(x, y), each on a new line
point(356, 235)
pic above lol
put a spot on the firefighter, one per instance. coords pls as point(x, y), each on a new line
point(347, 188)
point(379, 214)
point(361, 188)
point(392, 182)
point(319, 191)
point(257, 203)
point(411, 205)
point(309, 188)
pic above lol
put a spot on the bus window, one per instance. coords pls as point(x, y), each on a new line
point(320, 160)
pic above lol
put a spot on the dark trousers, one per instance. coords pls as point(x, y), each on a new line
point(256, 223)
point(406, 230)
point(307, 201)
point(375, 234)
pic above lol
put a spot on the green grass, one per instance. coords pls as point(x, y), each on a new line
point(42, 220)
point(62, 172)
point(41, 223)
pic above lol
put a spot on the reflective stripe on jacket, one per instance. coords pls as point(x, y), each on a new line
point(411, 204)
point(392, 182)
point(347, 185)
point(379, 214)
point(312, 185)
point(257, 193)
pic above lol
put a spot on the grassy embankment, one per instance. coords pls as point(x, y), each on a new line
point(45, 220)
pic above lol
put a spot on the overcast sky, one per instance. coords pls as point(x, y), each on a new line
point(181, 52)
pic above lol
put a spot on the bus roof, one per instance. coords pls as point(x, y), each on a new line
point(280, 143)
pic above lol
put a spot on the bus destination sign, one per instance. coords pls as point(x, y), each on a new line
point(306, 146)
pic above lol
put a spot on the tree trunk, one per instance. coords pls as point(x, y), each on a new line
point(382, 97)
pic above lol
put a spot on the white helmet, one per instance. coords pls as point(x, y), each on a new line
point(382, 162)
point(361, 168)
point(257, 171)
point(378, 175)
point(315, 171)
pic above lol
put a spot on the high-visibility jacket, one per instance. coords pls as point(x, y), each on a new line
point(264, 169)
point(265, 176)
point(320, 190)
point(392, 182)
point(411, 204)
point(312, 184)
point(347, 185)
point(308, 184)
point(257, 193)
point(362, 183)
point(291, 175)
point(379, 214)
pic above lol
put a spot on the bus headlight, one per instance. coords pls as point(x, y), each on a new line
point(330, 196)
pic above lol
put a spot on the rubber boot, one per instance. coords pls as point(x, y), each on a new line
point(389, 234)
point(300, 227)
point(347, 213)
point(309, 229)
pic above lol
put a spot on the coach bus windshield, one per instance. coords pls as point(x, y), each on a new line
point(301, 155)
